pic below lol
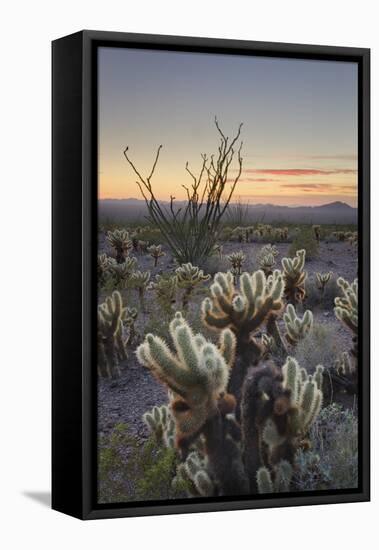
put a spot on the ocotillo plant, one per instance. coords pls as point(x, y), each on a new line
point(156, 252)
point(140, 280)
point(297, 328)
point(121, 273)
point(189, 277)
point(237, 260)
point(197, 374)
point(165, 291)
point(191, 231)
point(317, 232)
point(243, 310)
point(294, 277)
point(120, 242)
point(278, 409)
point(110, 336)
point(346, 309)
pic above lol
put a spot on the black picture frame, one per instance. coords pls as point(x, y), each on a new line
point(74, 205)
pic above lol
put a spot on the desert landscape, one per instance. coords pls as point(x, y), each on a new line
point(227, 346)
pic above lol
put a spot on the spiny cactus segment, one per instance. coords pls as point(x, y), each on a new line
point(160, 423)
point(193, 475)
point(297, 328)
point(278, 481)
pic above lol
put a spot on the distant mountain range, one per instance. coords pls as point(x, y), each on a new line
point(131, 210)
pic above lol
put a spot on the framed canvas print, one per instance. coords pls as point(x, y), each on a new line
point(210, 274)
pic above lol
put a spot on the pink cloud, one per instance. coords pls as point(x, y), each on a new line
point(299, 171)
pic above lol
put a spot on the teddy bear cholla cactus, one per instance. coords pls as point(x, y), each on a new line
point(243, 309)
point(237, 259)
point(294, 277)
point(189, 277)
point(297, 328)
point(119, 240)
point(322, 279)
point(197, 373)
point(278, 409)
point(317, 232)
point(165, 290)
point(140, 280)
point(111, 339)
point(193, 475)
point(346, 309)
point(121, 272)
point(156, 252)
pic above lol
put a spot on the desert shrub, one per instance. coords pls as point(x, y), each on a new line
point(305, 240)
point(314, 298)
point(318, 348)
point(214, 264)
point(144, 473)
point(333, 460)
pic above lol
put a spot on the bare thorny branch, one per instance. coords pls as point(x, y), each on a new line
point(191, 232)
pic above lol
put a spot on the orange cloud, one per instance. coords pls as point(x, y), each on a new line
point(299, 171)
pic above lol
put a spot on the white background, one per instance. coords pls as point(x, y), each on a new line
point(26, 31)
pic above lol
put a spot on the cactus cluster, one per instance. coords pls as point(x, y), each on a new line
point(294, 277)
point(276, 481)
point(111, 339)
point(193, 475)
point(297, 328)
point(161, 423)
point(197, 372)
point(119, 240)
point(189, 277)
point(165, 291)
point(103, 263)
point(243, 309)
point(122, 272)
point(278, 408)
point(156, 252)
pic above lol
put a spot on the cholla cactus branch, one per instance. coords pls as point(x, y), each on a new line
point(322, 279)
point(197, 372)
point(140, 280)
point(121, 272)
point(297, 328)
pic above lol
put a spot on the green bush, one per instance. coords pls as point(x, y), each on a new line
point(332, 462)
point(304, 239)
point(318, 348)
point(129, 470)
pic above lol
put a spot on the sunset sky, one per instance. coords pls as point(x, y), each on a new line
point(299, 123)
